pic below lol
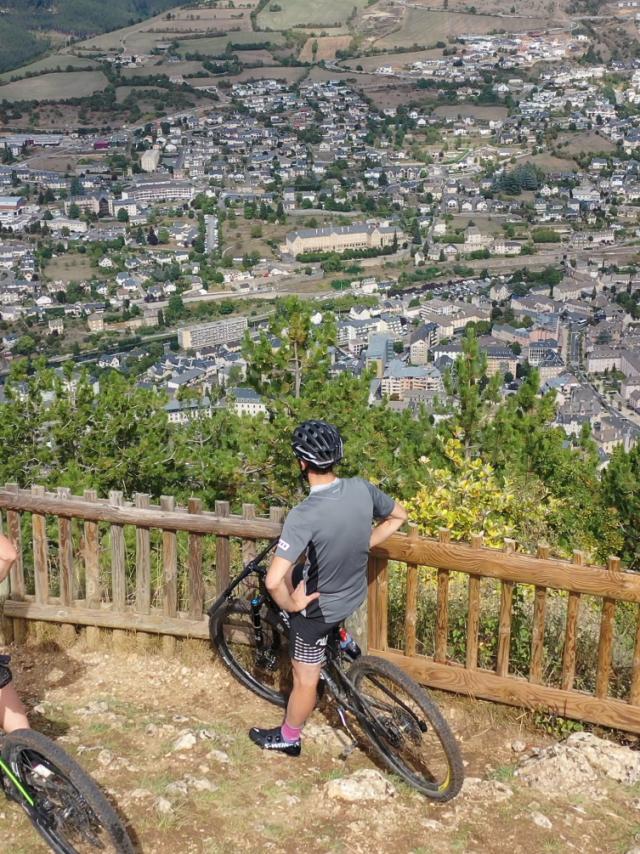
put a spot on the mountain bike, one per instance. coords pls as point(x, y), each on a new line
point(395, 714)
point(62, 802)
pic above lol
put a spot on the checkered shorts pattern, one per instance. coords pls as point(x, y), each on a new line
point(308, 653)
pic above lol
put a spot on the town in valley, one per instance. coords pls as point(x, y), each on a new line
point(416, 172)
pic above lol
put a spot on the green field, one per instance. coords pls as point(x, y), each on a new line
point(424, 27)
point(212, 46)
point(299, 13)
point(54, 87)
point(478, 111)
point(56, 62)
point(170, 69)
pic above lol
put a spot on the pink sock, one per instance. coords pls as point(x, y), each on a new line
point(290, 733)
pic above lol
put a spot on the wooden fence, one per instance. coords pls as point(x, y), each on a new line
point(88, 561)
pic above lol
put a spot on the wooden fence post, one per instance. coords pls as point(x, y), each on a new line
point(571, 633)
point(504, 622)
point(223, 552)
point(143, 572)
point(473, 611)
point(442, 605)
point(40, 552)
point(170, 562)
point(537, 633)
point(605, 643)
point(634, 693)
point(411, 596)
point(248, 546)
point(196, 580)
point(118, 570)
point(68, 588)
point(377, 605)
point(91, 553)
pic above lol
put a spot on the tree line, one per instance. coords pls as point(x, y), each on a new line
point(498, 465)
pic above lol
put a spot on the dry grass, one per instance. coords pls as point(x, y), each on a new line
point(291, 74)
point(587, 142)
point(268, 802)
point(69, 268)
point(300, 13)
point(50, 87)
point(144, 36)
point(327, 47)
point(478, 111)
point(397, 61)
point(425, 28)
point(554, 10)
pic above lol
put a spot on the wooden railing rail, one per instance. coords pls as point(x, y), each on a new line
point(508, 569)
point(153, 569)
point(119, 601)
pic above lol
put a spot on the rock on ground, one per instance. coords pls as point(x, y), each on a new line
point(185, 741)
point(367, 784)
point(486, 790)
point(580, 764)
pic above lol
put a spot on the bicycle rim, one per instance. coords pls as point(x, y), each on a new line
point(266, 671)
point(407, 729)
point(69, 811)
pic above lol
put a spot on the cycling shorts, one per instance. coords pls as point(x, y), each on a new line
point(308, 639)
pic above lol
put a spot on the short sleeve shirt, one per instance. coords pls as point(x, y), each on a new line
point(330, 532)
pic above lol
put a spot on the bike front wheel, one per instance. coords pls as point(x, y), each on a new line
point(64, 804)
point(407, 728)
point(267, 670)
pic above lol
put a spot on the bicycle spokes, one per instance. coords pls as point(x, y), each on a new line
point(405, 730)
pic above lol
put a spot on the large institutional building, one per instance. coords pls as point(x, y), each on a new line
point(341, 238)
point(210, 334)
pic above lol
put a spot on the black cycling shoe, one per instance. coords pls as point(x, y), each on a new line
point(271, 739)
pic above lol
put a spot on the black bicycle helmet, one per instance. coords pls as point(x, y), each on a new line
point(318, 443)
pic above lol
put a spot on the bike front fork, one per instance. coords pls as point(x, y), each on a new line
point(265, 655)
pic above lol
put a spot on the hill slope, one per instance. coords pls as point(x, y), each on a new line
point(22, 22)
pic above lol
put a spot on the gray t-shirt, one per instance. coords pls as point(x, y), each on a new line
point(331, 530)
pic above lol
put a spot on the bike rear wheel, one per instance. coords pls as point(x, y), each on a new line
point(266, 671)
point(407, 729)
point(68, 808)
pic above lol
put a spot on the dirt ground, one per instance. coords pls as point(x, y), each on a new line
point(121, 714)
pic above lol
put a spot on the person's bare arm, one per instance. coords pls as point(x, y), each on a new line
point(276, 583)
point(388, 526)
point(8, 554)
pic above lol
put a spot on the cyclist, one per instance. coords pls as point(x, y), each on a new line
point(12, 713)
point(331, 530)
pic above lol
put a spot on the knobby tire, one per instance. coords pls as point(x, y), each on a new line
point(437, 790)
point(28, 747)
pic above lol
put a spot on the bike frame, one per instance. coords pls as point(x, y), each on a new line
point(344, 691)
point(5, 771)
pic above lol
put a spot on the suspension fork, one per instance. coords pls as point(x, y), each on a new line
point(256, 619)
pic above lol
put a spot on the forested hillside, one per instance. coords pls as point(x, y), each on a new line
point(23, 23)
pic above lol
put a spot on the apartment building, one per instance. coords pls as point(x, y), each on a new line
point(358, 236)
point(210, 334)
point(245, 401)
point(170, 190)
point(400, 378)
